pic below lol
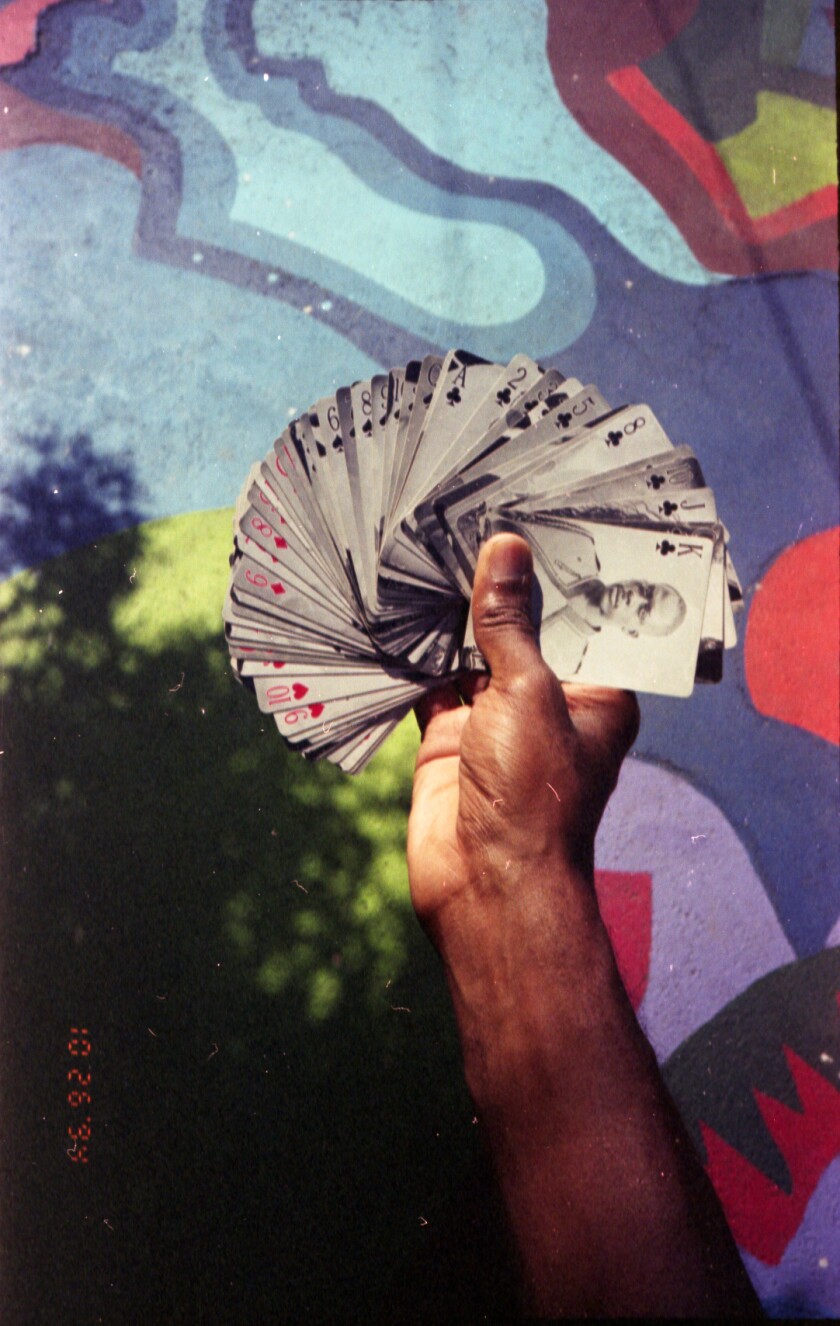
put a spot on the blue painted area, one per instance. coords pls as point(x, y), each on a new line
point(472, 84)
point(341, 190)
point(713, 928)
point(749, 380)
point(776, 784)
point(806, 1283)
point(817, 53)
point(58, 493)
point(183, 379)
point(275, 185)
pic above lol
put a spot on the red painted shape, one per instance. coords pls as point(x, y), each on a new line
point(763, 1217)
point(24, 123)
point(585, 49)
point(19, 29)
point(791, 654)
point(821, 205)
point(701, 157)
point(625, 900)
point(592, 39)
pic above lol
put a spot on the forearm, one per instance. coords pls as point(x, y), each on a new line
point(608, 1204)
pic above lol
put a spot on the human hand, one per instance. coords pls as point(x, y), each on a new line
point(610, 1210)
point(513, 784)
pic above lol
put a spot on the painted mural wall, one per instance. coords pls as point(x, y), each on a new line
point(213, 212)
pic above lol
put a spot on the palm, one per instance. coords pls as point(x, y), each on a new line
point(478, 781)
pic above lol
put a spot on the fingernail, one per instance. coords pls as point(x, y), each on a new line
point(510, 563)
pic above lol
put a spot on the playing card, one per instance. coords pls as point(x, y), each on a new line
point(368, 403)
point(356, 539)
point(618, 606)
point(557, 455)
point(462, 383)
point(414, 410)
point(502, 450)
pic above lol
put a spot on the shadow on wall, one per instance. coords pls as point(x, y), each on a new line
point(62, 496)
point(278, 1123)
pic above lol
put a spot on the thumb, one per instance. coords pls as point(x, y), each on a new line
point(501, 607)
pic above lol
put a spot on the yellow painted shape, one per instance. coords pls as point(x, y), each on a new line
point(179, 581)
point(96, 637)
point(169, 582)
point(788, 151)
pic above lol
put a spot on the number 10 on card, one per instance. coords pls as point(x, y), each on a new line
point(78, 1094)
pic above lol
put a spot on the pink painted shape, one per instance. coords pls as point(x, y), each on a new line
point(19, 29)
point(791, 648)
point(25, 123)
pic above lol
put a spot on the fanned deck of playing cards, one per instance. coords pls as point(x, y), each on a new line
point(356, 539)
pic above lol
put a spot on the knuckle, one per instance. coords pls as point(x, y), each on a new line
point(535, 686)
point(502, 614)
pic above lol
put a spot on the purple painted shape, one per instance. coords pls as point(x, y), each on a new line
point(806, 1282)
point(714, 929)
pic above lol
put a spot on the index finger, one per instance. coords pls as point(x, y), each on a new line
point(436, 702)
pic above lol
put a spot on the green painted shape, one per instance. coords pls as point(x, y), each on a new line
point(788, 151)
point(783, 30)
point(179, 581)
point(133, 626)
point(236, 925)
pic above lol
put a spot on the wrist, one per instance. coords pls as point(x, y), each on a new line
point(532, 976)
